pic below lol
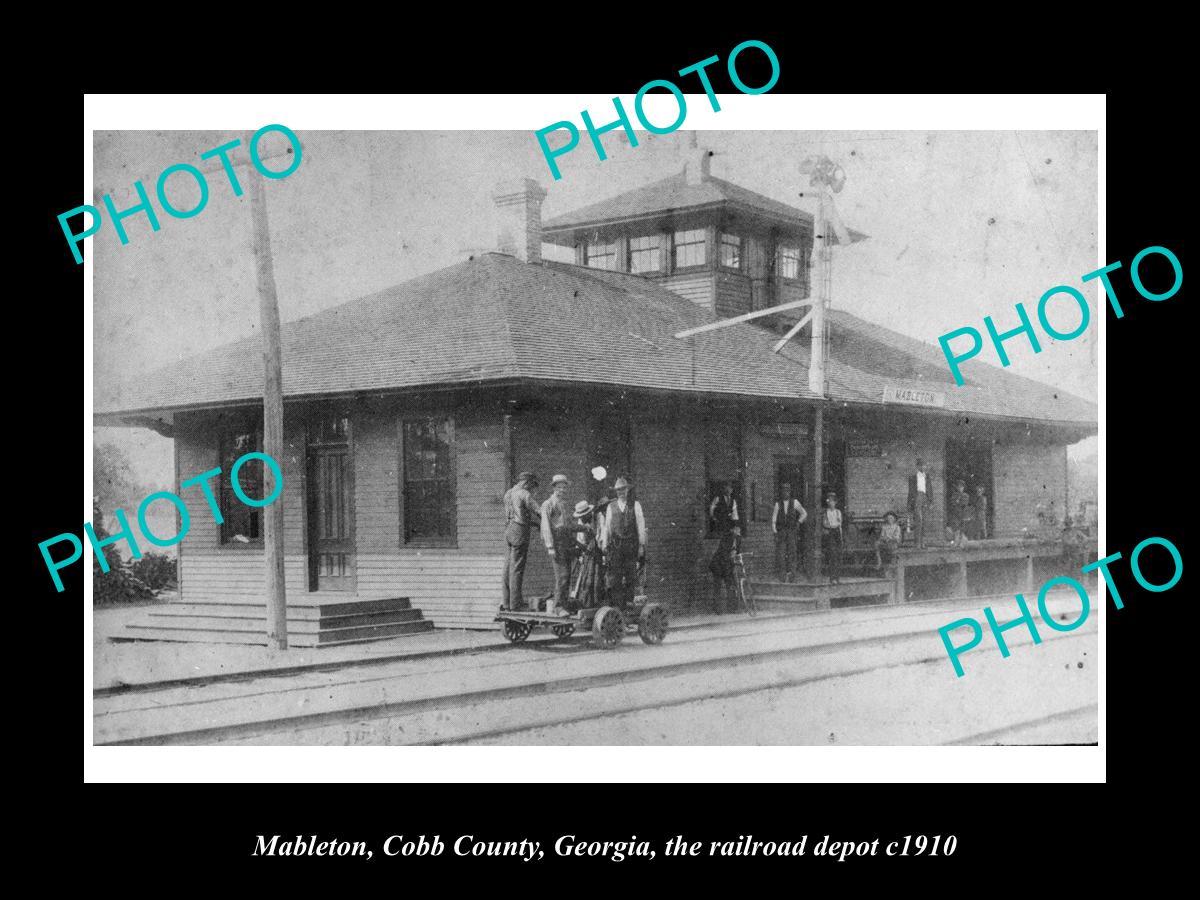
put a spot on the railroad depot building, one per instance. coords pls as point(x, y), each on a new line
point(408, 413)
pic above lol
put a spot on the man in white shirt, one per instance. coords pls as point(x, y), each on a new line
point(624, 544)
point(920, 499)
point(558, 526)
point(786, 518)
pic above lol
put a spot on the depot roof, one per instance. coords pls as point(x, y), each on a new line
point(669, 196)
point(496, 319)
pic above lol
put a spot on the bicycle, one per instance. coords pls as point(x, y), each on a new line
point(741, 579)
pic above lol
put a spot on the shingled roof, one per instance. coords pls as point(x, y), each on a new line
point(497, 319)
point(673, 194)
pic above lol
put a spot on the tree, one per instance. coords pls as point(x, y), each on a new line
point(113, 483)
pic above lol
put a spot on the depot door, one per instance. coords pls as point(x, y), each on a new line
point(330, 505)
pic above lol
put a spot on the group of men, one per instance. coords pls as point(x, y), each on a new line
point(602, 544)
point(598, 549)
point(787, 515)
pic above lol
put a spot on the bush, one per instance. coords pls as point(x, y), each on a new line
point(118, 584)
point(156, 570)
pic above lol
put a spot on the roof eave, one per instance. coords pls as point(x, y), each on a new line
point(567, 231)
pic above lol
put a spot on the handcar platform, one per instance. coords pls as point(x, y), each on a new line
point(607, 623)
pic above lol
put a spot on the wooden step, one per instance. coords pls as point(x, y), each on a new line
point(320, 621)
point(297, 641)
point(248, 618)
point(300, 609)
point(355, 634)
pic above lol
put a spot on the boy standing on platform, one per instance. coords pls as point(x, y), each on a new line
point(831, 538)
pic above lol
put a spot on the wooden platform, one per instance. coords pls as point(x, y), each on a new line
point(1021, 553)
point(313, 620)
point(851, 591)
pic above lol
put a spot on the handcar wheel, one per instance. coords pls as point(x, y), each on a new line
point(652, 624)
point(516, 631)
point(608, 628)
point(563, 631)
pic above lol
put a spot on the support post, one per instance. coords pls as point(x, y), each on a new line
point(961, 579)
point(818, 485)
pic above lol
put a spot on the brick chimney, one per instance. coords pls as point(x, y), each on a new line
point(698, 165)
point(519, 218)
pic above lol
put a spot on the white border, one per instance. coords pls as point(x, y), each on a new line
point(683, 764)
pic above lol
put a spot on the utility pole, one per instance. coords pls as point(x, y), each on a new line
point(819, 291)
point(268, 311)
point(268, 306)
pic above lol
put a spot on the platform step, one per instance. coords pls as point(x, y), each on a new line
point(178, 614)
point(297, 641)
point(326, 622)
point(302, 608)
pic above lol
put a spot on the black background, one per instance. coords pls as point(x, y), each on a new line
point(202, 835)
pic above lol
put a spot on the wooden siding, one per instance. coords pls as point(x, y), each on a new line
point(761, 451)
point(215, 577)
point(668, 452)
point(733, 294)
point(545, 443)
point(696, 287)
point(460, 586)
point(875, 485)
point(210, 569)
point(453, 586)
point(1029, 477)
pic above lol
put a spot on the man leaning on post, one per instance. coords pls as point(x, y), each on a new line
point(920, 499)
point(522, 513)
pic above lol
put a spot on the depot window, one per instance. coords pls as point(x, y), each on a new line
point(599, 255)
point(731, 251)
point(242, 523)
point(689, 248)
point(787, 261)
point(643, 254)
point(429, 511)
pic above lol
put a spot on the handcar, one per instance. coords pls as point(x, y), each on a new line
point(608, 624)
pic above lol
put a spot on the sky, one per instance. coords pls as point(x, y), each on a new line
point(961, 225)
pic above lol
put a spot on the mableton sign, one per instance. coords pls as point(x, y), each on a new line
point(913, 396)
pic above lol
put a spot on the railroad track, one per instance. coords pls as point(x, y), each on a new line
point(744, 646)
point(919, 607)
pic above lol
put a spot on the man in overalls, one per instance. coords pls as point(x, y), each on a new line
point(624, 544)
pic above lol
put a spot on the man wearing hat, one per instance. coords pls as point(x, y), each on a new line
point(723, 513)
point(786, 518)
point(522, 513)
point(920, 499)
point(831, 538)
point(588, 589)
point(558, 529)
point(624, 543)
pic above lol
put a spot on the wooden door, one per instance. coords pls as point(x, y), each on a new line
point(331, 507)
